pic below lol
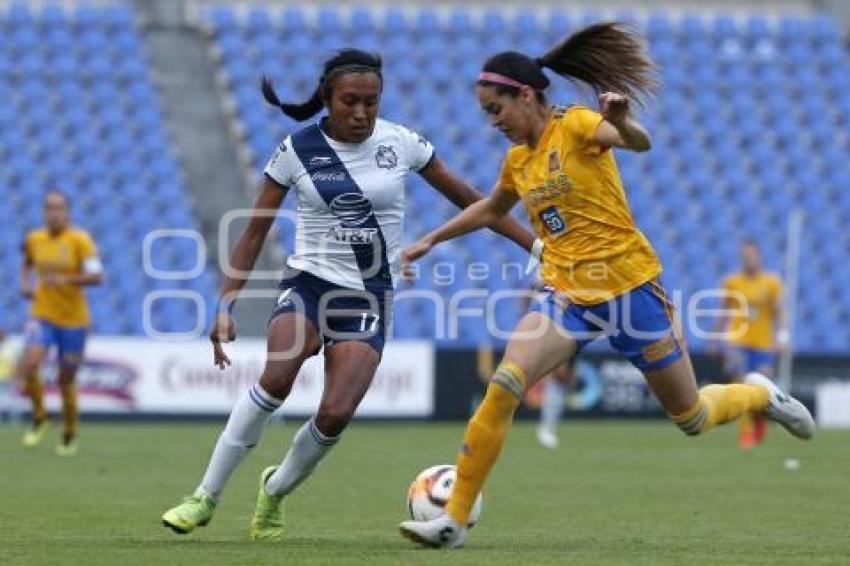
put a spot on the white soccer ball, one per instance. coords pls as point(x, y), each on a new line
point(430, 491)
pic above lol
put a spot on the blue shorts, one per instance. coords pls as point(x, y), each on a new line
point(339, 314)
point(738, 360)
point(70, 342)
point(639, 324)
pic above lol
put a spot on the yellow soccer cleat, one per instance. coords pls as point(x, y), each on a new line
point(195, 511)
point(33, 436)
point(267, 523)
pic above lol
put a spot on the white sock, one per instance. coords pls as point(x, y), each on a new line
point(309, 446)
point(242, 432)
point(552, 404)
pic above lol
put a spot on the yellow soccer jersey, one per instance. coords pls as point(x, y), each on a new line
point(572, 191)
point(756, 315)
point(65, 253)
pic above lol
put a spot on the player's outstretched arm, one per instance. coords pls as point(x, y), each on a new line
point(463, 195)
point(242, 260)
point(84, 279)
point(485, 212)
point(26, 278)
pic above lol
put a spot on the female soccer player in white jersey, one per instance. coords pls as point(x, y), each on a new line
point(347, 172)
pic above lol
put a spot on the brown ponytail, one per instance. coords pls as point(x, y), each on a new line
point(607, 56)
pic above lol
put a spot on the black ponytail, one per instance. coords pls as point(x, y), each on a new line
point(345, 61)
point(298, 112)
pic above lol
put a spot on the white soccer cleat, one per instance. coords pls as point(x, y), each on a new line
point(547, 437)
point(441, 532)
point(784, 409)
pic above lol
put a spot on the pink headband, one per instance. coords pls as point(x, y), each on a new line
point(500, 79)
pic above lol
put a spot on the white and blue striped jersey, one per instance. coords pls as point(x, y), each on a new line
point(351, 200)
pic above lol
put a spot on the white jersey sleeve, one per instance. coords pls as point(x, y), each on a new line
point(283, 164)
point(417, 152)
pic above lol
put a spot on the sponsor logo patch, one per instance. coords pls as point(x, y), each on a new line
point(657, 351)
point(320, 161)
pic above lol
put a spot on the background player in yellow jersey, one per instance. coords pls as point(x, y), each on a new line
point(602, 270)
point(753, 333)
point(59, 260)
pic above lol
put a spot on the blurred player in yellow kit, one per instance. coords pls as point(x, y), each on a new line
point(59, 260)
point(757, 327)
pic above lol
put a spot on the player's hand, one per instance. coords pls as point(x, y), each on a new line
point(613, 107)
point(27, 292)
point(411, 253)
point(223, 331)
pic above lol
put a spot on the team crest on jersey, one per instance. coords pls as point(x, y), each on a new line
point(554, 162)
point(385, 157)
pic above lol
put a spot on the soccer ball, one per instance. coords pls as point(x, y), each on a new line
point(430, 491)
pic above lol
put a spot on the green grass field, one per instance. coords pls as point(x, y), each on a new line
point(615, 493)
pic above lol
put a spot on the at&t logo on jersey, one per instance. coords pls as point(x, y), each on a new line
point(353, 210)
point(352, 235)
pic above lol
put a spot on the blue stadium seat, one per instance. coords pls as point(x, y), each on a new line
point(88, 121)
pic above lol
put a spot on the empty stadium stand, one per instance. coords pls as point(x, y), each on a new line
point(80, 113)
point(747, 128)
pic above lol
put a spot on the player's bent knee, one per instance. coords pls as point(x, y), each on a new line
point(276, 382)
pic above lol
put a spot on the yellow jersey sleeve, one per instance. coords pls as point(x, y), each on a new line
point(507, 182)
point(86, 247)
point(581, 123)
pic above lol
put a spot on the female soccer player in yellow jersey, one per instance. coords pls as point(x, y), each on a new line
point(602, 270)
point(757, 328)
point(62, 259)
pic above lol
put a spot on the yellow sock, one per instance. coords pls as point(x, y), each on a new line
point(485, 435)
point(34, 388)
point(69, 409)
point(718, 404)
